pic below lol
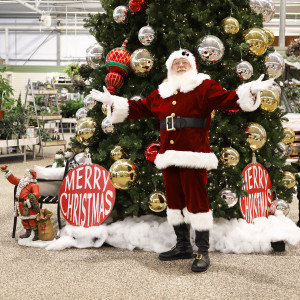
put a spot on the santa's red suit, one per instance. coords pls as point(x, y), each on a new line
point(24, 188)
point(185, 154)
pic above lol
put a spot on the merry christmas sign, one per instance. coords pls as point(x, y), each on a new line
point(258, 185)
point(86, 195)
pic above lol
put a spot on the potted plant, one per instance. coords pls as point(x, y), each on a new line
point(72, 71)
point(6, 91)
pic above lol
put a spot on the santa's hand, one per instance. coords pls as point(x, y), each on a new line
point(259, 85)
point(105, 97)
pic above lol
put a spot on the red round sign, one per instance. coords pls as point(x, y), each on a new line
point(258, 185)
point(86, 195)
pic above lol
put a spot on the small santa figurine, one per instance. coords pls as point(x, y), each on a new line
point(26, 204)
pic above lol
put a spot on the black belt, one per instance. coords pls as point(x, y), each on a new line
point(181, 122)
point(21, 200)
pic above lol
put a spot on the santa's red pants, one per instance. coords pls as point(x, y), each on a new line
point(186, 188)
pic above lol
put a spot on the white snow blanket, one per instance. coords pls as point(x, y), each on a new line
point(151, 233)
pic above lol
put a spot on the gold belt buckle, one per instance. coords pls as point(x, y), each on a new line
point(172, 123)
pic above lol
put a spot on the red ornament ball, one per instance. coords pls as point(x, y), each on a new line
point(137, 5)
point(114, 81)
point(118, 60)
point(151, 151)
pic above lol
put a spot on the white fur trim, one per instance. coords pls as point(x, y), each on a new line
point(200, 221)
point(174, 216)
point(6, 175)
point(186, 159)
point(120, 110)
point(247, 101)
point(167, 88)
point(178, 54)
point(186, 216)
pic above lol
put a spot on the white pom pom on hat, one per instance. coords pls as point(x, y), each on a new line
point(182, 53)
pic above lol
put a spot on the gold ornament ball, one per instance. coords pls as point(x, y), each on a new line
point(121, 173)
point(289, 135)
point(231, 25)
point(270, 35)
point(269, 99)
point(230, 156)
point(257, 40)
point(141, 62)
point(104, 108)
point(289, 179)
point(84, 130)
point(157, 202)
point(116, 153)
point(257, 136)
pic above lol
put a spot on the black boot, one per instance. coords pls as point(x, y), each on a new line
point(183, 248)
point(201, 262)
point(26, 234)
point(36, 235)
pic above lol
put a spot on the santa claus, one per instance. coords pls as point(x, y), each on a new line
point(183, 105)
point(26, 204)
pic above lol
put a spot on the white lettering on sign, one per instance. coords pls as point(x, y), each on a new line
point(86, 196)
point(258, 186)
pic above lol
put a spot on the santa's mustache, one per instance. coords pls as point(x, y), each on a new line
point(181, 69)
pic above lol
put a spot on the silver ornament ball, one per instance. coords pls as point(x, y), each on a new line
point(81, 113)
point(146, 35)
point(280, 205)
point(275, 64)
point(106, 126)
point(229, 197)
point(210, 49)
point(120, 14)
point(268, 10)
point(94, 54)
point(89, 102)
point(244, 70)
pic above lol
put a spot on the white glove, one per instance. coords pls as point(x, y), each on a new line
point(259, 85)
point(105, 97)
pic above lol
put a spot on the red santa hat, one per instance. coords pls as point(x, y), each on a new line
point(31, 173)
point(182, 53)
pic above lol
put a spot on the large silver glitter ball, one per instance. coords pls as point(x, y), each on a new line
point(106, 126)
point(275, 64)
point(81, 113)
point(210, 49)
point(268, 10)
point(146, 35)
point(120, 14)
point(94, 54)
point(244, 70)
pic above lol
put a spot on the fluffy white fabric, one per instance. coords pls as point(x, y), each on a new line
point(247, 101)
point(187, 159)
point(174, 216)
point(120, 110)
point(200, 221)
point(152, 233)
point(178, 54)
point(185, 82)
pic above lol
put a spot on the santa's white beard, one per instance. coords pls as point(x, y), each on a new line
point(181, 79)
point(23, 182)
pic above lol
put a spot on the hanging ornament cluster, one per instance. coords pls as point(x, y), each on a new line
point(141, 62)
point(122, 172)
point(275, 65)
point(229, 156)
point(117, 62)
point(152, 151)
point(157, 202)
point(269, 99)
point(244, 70)
point(229, 196)
point(137, 6)
point(210, 49)
point(257, 40)
point(146, 35)
point(94, 54)
point(230, 25)
point(256, 136)
point(120, 14)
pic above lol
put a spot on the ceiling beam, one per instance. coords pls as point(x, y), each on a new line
point(30, 6)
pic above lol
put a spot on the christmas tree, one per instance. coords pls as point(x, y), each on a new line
point(234, 30)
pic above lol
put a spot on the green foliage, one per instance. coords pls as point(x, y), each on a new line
point(182, 23)
point(72, 70)
point(293, 97)
point(6, 91)
point(70, 107)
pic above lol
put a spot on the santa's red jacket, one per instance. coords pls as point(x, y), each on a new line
point(187, 147)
